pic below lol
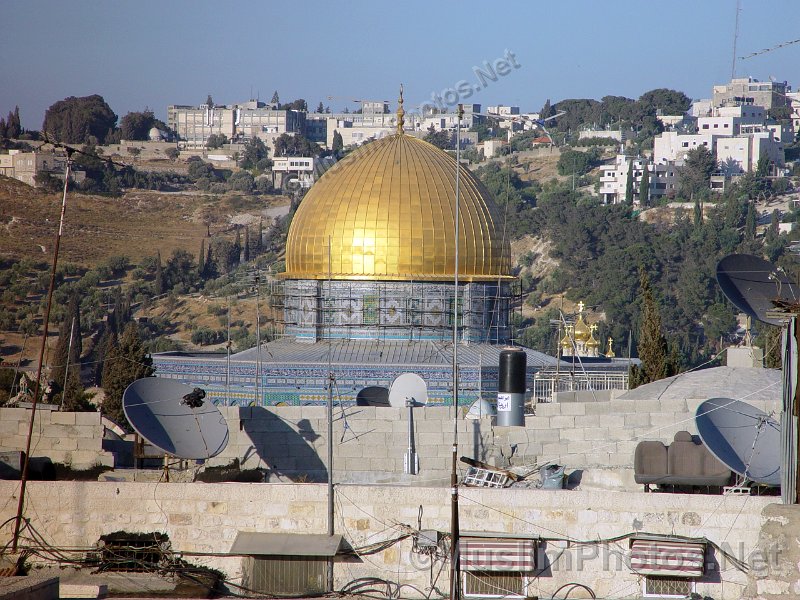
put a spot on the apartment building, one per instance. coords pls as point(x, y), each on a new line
point(750, 91)
point(614, 179)
point(237, 122)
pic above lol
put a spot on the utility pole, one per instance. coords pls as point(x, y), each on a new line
point(455, 592)
point(36, 390)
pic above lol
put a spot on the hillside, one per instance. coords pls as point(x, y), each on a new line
point(136, 225)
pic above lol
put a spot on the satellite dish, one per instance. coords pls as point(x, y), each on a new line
point(175, 418)
point(373, 395)
point(752, 284)
point(408, 387)
point(481, 408)
point(743, 438)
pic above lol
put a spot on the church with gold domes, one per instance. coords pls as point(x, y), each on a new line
point(370, 292)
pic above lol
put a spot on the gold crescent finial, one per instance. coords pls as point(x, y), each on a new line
point(400, 112)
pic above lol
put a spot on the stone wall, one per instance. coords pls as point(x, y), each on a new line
point(74, 439)
point(370, 443)
point(205, 518)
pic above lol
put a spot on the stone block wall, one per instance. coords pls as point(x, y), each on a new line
point(205, 518)
point(69, 438)
point(370, 442)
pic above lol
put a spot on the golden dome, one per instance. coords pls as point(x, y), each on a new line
point(388, 211)
point(582, 331)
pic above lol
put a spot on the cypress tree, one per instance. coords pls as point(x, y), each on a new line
point(750, 222)
point(237, 247)
point(629, 184)
point(201, 261)
point(652, 345)
point(246, 244)
point(698, 213)
point(158, 282)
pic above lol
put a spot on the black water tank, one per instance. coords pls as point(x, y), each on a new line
point(511, 388)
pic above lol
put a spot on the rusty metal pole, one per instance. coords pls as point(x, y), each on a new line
point(37, 388)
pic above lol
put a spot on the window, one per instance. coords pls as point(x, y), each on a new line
point(705, 125)
point(480, 584)
point(716, 125)
point(685, 144)
point(667, 587)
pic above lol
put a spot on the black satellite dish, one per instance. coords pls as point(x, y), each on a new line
point(743, 438)
point(175, 418)
point(754, 284)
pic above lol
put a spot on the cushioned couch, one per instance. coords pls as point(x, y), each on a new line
point(682, 463)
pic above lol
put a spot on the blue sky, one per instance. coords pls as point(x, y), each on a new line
point(154, 53)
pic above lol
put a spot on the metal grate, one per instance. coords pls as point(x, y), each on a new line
point(667, 587)
point(133, 552)
point(483, 584)
point(288, 576)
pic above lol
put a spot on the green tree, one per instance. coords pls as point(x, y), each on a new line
point(254, 152)
point(78, 120)
point(158, 281)
point(13, 125)
point(137, 125)
point(629, 184)
point(295, 145)
point(246, 249)
point(644, 186)
point(320, 107)
point(574, 162)
point(698, 213)
point(652, 345)
point(216, 140)
point(695, 173)
point(275, 99)
point(762, 167)
point(125, 362)
point(750, 222)
point(172, 153)
point(441, 139)
point(337, 145)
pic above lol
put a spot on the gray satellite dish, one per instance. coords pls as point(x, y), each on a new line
point(743, 438)
point(175, 418)
point(752, 284)
point(408, 387)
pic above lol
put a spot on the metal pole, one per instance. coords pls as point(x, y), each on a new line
point(66, 367)
point(330, 430)
point(24, 477)
point(455, 591)
point(258, 344)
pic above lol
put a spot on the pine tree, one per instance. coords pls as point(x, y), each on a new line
point(320, 107)
point(629, 184)
point(652, 345)
point(644, 186)
point(125, 362)
point(275, 99)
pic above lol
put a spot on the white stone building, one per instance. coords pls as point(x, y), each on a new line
point(614, 179)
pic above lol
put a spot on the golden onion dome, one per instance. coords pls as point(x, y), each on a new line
point(582, 331)
point(387, 212)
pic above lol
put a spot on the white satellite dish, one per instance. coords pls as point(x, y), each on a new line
point(743, 438)
point(175, 418)
point(408, 387)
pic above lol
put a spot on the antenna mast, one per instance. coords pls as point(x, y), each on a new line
point(735, 38)
point(455, 592)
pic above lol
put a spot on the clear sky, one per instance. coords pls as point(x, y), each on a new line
point(151, 53)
